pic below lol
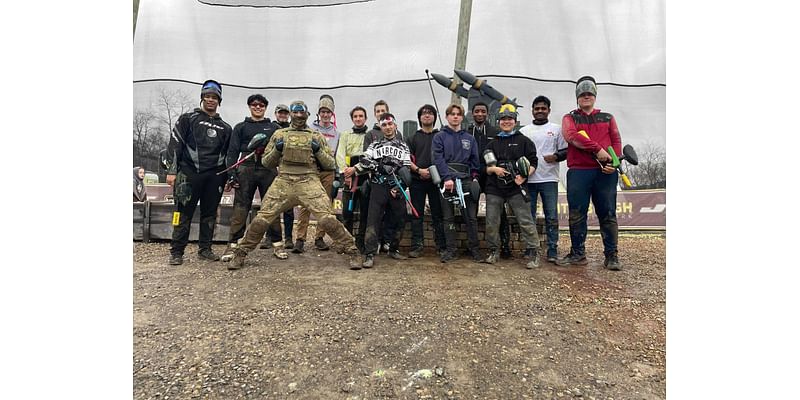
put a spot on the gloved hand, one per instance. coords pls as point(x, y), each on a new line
point(315, 146)
point(279, 145)
point(260, 151)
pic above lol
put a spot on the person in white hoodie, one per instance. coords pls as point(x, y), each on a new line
point(551, 149)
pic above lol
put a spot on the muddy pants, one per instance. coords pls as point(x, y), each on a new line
point(326, 178)
point(207, 189)
point(291, 190)
point(495, 205)
point(251, 178)
point(380, 200)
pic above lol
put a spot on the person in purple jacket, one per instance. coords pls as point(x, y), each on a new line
point(455, 155)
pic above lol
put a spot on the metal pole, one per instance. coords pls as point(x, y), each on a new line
point(462, 43)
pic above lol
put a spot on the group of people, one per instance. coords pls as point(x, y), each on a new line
point(296, 163)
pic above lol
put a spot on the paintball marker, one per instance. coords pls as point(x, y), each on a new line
point(352, 186)
point(399, 186)
point(258, 141)
point(629, 155)
point(458, 197)
point(519, 167)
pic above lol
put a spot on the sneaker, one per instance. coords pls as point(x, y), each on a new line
point(238, 259)
point(288, 244)
point(552, 258)
point(385, 247)
point(415, 252)
point(320, 244)
point(299, 246)
point(208, 255)
point(572, 259)
point(440, 252)
point(175, 259)
point(448, 256)
point(505, 254)
point(396, 255)
point(532, 256)
point(368, 261)
point(228, 254)
point(265, 244)
point(492, 257)
point(612, 262)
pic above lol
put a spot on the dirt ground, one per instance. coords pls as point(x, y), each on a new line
point(310, 328)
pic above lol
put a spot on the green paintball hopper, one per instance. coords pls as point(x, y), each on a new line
point(259, 140)
point(523, 166)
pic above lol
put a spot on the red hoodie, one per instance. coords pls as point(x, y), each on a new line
point(602, 130)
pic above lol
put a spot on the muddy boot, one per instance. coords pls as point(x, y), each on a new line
point(415, 252)
point(279, 251)
point(532, 257)
point(612, 262)
point(299, 246)
point(288, 244)
point(208, 255)
point(368, 261)
point(175, 259)
point(320, 244)
point(238, 259)
point(227, 256)
point(572, 259)
point(492, 257)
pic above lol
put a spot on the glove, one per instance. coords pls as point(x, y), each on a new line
point(279, 145)
point(260, 151)
point(314, 146)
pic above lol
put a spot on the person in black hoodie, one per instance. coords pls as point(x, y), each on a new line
point(195, 153)
point(250, 175)
point(509, 159)
point(483, 133)
point(422, 186)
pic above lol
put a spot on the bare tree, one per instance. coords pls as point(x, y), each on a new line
point(151, 126)
point(170, 104)
point(652, 169)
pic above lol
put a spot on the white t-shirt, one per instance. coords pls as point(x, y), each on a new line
point(547, 139)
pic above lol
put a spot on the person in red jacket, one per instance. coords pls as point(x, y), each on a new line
point(588, 133)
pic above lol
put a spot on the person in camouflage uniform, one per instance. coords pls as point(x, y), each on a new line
point(296, 151)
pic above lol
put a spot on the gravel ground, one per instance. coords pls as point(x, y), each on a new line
point(310, 328)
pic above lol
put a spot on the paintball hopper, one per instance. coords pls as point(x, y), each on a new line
point(258, 140)
point(523, 166)
point(489, 158)
point(164, 161)
point(629, 155)
point(435, 177)
point(507, 110)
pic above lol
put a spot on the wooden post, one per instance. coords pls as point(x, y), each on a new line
point(462, 43)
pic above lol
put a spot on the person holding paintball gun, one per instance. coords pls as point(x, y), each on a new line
point(195, 154)
point(591, 175)
point(348, 153)
point(250, 175)
point(455, 158)
point(510, 158)
point(386, 159)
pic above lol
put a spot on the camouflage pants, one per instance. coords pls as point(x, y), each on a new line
point(250, 180)
point(288, 191)
point(326, 178)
